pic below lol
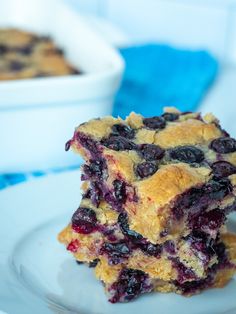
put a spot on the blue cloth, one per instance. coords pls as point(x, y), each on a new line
point(155, 76)
point(159, 75)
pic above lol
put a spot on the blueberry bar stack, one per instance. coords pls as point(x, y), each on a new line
point(155, 196)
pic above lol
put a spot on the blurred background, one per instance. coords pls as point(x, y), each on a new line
point(136, 55)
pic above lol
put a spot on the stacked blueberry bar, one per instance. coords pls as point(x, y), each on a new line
point(156, 194)
point(27, 55)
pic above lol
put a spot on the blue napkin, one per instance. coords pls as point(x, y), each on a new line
point(160, 75)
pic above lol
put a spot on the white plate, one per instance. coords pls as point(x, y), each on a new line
point(38, 276)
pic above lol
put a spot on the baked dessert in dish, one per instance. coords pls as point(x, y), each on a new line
point(156, 194)
point(26, 55)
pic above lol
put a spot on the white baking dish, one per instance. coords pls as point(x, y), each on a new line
point(37, 115)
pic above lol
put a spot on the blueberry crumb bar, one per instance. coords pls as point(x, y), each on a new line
point(156, 195)
point(26, 55)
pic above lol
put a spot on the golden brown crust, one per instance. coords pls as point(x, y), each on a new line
point(156, 192)
point(189, 132)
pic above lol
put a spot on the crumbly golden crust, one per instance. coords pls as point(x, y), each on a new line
point(25, 55)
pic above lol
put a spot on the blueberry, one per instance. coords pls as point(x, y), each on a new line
point(84, 220)
point(169, 247)
point(123, 130)
point(152, 249)
point(192, 201)
point(116, 252)
point(184, 273)
point(223, 169)
point(93, 263)
point(146, 169)
point(154, 123)
point(124, 226)
point(224, 145)
point(151, 152)
point(130, 284)
point(67, 145)
point(170, 116)
point(87, 142)
point(201, 242)
point(25, 50)
point(95, 193)
point(120, 190)
point(75, 72)
point(192, 287)
point(16, 65)
point(3, 49)
point(95, 169)
point(118, 143)
point(218, 189)
point(220, 250)
point(188, 154)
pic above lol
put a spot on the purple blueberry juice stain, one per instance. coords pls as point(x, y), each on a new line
point(208, 221)
point(184, 273)
point(202, 245)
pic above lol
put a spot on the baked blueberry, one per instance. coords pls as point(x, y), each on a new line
point(154, 123)
point(120, 190)
point(170, 116)
point(123, 130)
point(95, 168)
point(130, 284)
point(84, 220)
point(16, 65)
point(222, 169)
point(118, 143)
point(188, 154)
point(218, 189)
point(124, 225)
point(146, 169)
point(151, 152)
point(116, 252)
point(224, 145)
